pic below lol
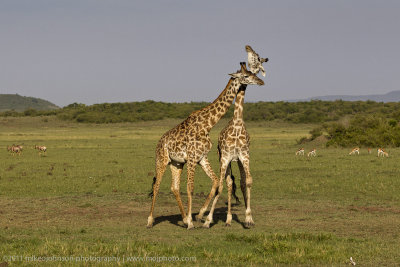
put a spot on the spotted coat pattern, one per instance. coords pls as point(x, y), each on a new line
point(189, 143)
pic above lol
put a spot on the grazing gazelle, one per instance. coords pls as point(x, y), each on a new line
point(382, 152)
point(300, 151)
point(354, 151)
point(14, 149)
point(312, 153)
point(41, 149)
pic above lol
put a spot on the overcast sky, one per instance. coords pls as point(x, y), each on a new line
point(95, 51)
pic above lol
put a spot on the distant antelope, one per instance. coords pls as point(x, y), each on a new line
point(369, 150)
point(382, 152)
point(355, 150)
point(20, 147)
point(312, 153)
point(41, 149)
point(14, 149)
point(300, 152)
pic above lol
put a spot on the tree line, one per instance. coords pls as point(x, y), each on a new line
point(369, 123)
point(315, 111)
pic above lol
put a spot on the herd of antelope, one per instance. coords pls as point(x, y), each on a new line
point(381, 152)
point(300, 152)
point(17, 149)
point(356, 150)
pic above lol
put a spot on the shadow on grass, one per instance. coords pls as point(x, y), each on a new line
point(219, 216)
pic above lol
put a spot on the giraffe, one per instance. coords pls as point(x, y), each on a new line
point(233, 145)
point(189, 142)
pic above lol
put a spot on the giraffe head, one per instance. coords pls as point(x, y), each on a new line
point(260, 59)
point(246, 77)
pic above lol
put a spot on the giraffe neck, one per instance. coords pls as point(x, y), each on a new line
point(239, 101)
point(214, 112)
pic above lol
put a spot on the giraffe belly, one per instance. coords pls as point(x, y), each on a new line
point(178, 157)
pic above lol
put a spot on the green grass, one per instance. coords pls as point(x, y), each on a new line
point(88, 197)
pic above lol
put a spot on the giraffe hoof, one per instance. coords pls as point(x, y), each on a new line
point(150, 222)
point(250, 224)
point(227, 225)
point(207, 223)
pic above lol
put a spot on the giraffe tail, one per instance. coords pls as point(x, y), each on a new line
point(152, 187)
point(234, 188)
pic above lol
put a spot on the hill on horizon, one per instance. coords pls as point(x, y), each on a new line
point(393, 96)
point(21, 103)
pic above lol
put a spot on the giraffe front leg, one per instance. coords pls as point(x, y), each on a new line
point(205, 164)
point(229, 184)
point(245, 168)
point(190, 188)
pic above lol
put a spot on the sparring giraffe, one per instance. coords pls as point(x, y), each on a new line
point(189, 143)
point(233, 145)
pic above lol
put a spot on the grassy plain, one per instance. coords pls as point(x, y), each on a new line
point(88, 197)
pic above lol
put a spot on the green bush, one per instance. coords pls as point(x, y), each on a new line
point(363, 130)
point(295, 112)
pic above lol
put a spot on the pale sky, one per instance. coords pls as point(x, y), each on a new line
point(96, 51)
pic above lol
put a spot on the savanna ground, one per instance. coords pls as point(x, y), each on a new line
point(88, 197)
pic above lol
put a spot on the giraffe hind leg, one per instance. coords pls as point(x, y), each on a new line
point(205, 164)
point(243, 182)
point(176, 170)
point(161, 164)
point(245, 169)
point(223, 173)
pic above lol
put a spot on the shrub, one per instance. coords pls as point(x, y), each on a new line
point(362, 130)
